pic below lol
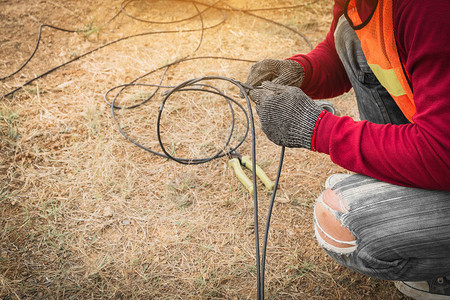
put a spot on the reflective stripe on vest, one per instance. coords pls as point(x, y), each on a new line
point(388, 79)
point(379, 47)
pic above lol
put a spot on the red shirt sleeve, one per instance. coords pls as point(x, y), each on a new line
point(417, 154)
point(325, 76)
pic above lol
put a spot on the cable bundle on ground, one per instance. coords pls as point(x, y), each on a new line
point(195, 84)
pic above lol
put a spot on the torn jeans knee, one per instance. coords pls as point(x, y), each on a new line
point(331, 234)
point(399, 233)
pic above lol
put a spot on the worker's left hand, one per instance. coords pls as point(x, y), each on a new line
point(285, 72)
point(288, 116)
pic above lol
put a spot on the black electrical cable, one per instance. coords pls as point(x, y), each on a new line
point(247, 12)
point(199, 87)
point(35, 48)
point(202, 29)
point(194, 85)
point(190, 85)
point(260, 259)
point(125, 3)
point(269, 215)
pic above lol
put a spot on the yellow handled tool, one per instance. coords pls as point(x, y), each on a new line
point(236, 165)
point(247, 162)
point(237, 160)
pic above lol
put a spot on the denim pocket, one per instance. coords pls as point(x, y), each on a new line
point(366, 75)
point(369, 78)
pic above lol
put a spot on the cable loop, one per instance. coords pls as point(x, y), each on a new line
point(188, 85)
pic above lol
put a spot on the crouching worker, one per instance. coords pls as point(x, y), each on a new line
point(390, 220)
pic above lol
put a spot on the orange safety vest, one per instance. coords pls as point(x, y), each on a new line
point(378, 44)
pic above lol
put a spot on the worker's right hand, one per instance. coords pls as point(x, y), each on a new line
point(284, 72)
point(288, 116)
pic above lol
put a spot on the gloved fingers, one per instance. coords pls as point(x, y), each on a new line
point(288, 90)
point(283, 72)
point(276, 93)
point(288, 72)
point(268, 90)
point(267, 69)
point(256, 95)
point(288, 79)
point(274, 88)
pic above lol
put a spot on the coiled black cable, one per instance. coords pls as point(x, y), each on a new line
point(260, 259)
point(189, 85)
point(195, 85)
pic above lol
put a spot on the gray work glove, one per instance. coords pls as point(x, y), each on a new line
point(285, 72)
point(288, 116)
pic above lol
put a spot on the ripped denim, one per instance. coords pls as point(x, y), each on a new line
point(401, 233)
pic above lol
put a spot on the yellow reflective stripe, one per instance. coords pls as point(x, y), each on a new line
point(389, 80)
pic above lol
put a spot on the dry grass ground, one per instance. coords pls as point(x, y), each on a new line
point(85, 214)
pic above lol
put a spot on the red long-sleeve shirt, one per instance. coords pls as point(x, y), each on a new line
point(416, 154)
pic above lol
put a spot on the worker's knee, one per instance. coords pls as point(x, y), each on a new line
point(330, 232)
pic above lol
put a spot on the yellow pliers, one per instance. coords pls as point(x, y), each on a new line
point(236, 160)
